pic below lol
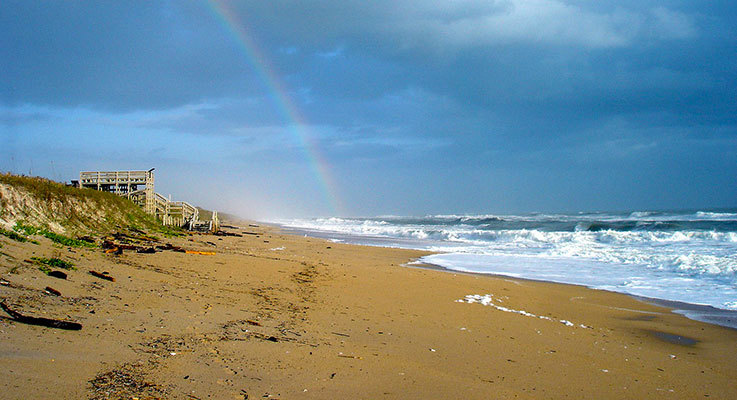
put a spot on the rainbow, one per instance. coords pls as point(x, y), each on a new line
point(278, 94)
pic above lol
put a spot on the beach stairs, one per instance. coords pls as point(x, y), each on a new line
point(212, 225)
point(138, 186)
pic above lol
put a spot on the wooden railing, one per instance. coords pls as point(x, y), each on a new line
point(126, 183)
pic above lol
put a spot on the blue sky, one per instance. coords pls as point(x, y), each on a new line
point(414, 107)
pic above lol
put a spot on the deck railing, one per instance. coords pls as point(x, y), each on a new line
point(126, 183)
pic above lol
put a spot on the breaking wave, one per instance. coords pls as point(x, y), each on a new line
point(685, 256)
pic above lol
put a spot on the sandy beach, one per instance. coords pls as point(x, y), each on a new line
point(272, 315)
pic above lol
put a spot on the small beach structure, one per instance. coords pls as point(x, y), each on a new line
point(138, 186)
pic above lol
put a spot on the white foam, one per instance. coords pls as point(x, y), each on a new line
point(716, 216)
point(631, 279)
point(488, 300)
point(695, 266)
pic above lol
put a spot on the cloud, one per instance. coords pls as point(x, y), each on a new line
point(401, 25)
point(11, 117)
point(670, 24)
point(160, 55)
point(409, 91)
point(115, 56)
point(336, 52)
point(525, 21)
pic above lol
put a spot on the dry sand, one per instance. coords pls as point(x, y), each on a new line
point(284, 316)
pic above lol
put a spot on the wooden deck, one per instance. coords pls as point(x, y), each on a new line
point(138, 186)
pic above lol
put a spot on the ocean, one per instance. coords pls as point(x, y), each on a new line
point(688, 257)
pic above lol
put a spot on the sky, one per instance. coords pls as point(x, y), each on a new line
point(278, 109)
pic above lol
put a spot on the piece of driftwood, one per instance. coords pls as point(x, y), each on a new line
point(223, 233)
point(146, 250)
point(53, 291)
point(88, 239)
point(47, 322)
point(58, 274)
point(349, 356)
point(171, 247)
point(202, 253)
point(102, 276)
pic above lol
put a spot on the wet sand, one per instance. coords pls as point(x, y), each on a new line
point(285, 316)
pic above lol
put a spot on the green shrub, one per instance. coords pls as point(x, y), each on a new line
point(170, 231)
point(53, 262)
point(54, 237)
point(13, 235)
point(65, 241)
point(26, 229)
point(111, 212)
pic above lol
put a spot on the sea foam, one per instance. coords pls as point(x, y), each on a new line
point(688, 256)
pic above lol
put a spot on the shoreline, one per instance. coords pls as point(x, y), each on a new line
point(273, 315)
point(698, 312)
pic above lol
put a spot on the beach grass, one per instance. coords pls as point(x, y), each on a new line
point(13, 235)
point(45, 264)
point(30, 230)
point(78, 211)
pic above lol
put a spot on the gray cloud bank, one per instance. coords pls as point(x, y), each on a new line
point(555, 93)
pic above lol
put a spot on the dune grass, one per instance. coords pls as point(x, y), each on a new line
point(13, 235)
point(102, 212)
point(54, 262)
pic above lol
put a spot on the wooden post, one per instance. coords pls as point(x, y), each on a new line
point(215, 226)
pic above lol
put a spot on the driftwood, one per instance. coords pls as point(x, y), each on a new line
point(169, 246)
point(53, 291)
point(202, 253)
point(58, 274)
point(122, 237)
point(121, 241)
point(223, 233)
point(87, 239)
point(102, 276)
point(47, 322)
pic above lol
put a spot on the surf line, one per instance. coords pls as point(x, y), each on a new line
point(297, 124)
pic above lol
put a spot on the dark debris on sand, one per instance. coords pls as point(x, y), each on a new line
point(125, 382)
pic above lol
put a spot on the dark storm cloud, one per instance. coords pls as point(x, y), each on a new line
point(569, 61)
point(528, 68)
point(573, 98)
point(115, 55)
